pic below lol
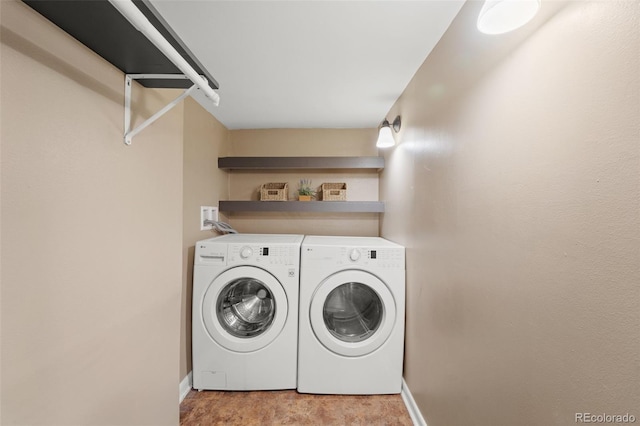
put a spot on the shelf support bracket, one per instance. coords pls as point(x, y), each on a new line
point(128, 133)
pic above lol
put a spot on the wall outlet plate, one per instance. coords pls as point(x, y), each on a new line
point(208, 213)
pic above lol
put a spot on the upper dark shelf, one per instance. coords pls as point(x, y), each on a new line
point(261, 163)
point(100, 27)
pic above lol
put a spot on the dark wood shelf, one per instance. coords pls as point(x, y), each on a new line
point(303, 206)
point(283, 163)
point(100, 27)
point(293, 163)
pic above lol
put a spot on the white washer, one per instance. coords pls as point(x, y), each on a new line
point(351, 327)
point(245, 312)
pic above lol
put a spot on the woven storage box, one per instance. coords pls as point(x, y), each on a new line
point(334, 191)
point(278, 191)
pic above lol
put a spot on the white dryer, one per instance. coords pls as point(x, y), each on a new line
point(245, 312)
point(351, 326)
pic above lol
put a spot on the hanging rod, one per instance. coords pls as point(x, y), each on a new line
point(142, 24)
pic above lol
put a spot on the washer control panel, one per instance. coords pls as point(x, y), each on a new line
point(263, 254)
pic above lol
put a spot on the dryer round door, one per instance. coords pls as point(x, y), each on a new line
point(244, 309)
point(352, 313)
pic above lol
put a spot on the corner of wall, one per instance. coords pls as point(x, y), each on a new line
point(205, 139)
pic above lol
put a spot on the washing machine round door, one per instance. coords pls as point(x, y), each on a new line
point(352, 313)
point(244, 309)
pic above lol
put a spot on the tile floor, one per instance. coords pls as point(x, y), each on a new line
point(291, 408)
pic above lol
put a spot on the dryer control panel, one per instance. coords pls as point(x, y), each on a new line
point(391, 258)
point(263, 254)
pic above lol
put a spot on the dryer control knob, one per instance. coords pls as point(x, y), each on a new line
point(354, 255)
point(246, 252)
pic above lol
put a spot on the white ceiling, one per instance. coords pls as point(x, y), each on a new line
point(308, 64)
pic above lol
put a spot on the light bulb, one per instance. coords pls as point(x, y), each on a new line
point(385, 138)
point(501, 16)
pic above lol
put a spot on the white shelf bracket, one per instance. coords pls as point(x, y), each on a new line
point(131, 12)
point(128, 133)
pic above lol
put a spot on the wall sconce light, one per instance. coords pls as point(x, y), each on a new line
point(502, 16)
point(385, 137)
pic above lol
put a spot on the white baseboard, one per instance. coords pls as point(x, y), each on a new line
point(412, 407)
point(185, 385)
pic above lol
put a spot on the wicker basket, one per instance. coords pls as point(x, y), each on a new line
point(278, 191)
point(334, 191)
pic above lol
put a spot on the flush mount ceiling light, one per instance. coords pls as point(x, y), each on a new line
point(385, 137)
point(502, 16)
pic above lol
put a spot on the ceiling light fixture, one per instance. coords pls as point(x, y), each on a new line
point(502, 16)
point(385, 137)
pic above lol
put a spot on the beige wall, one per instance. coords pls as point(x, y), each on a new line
point(205, 139)
point(91, 237)
point(361, 185)
point(521, 219)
